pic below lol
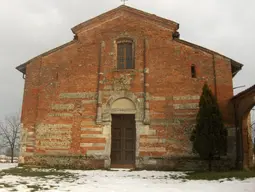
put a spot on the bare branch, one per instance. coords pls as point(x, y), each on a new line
point(5, 133)
point(10, 133)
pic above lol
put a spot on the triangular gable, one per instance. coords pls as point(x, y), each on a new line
point(103, 17)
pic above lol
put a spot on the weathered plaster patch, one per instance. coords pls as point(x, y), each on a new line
point(86, 116)
point(53, 136)
point(155, 98)
point(122, 83)
point(60, 114)
point(97, 153)
point(185, 113)
point(108, 87)
point(158, 98)
point(53, 126)
point(165, 122)
point(152, 149)
point(79, 95)
point(186, 106)
point(92, 136)
point(88, 101)
point(55, 144)
point(147, 131)
point(92, 144)
point(152, 140)
point(187, 97)
point(87, 123)
point(61, 107)
point(25, 140)
point(91, 129)
point(58, 152)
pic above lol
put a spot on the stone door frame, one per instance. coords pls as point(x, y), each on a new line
point(107, 112)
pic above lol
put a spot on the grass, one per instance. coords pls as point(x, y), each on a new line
point(241, 175)
point(5, 185)
point(35, 188)
point(29, 172)
point(60, 174)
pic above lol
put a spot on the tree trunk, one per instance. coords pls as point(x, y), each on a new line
point(210, 163)
point(12, 154)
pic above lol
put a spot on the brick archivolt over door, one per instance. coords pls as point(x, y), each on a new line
point(123, 103)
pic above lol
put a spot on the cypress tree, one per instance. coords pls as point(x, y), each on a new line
point(209, 136)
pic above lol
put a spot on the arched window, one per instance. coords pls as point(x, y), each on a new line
point(193, 71)
point(125, 54)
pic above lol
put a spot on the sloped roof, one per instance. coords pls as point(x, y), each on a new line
point(246, 91)
point(123, 8)
point(22, 67)
point(235, 66)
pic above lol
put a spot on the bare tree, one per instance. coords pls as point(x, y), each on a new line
point(10, 133)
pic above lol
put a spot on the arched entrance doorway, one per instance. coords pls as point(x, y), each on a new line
point(123, 103)
point(123, 133)
point(243, 103)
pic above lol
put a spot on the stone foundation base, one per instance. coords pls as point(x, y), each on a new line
point(64, 162)
point(147, 163)
point(184, 164)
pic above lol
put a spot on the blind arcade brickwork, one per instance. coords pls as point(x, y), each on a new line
point(127, 64)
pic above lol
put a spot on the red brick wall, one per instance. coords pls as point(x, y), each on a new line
point(54, 99)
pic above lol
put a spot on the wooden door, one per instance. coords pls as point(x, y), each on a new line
point(123, 140)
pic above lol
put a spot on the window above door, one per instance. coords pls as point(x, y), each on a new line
point(125, 54)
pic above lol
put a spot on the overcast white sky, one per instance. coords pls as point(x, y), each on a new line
point(31, 27)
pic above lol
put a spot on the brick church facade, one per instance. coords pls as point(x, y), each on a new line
point(123, 93)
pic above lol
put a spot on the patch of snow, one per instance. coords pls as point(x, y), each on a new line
point(7, 165)
point(124, 181)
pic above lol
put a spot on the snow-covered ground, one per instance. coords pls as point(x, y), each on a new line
point(7, 165)
point(120, 181)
